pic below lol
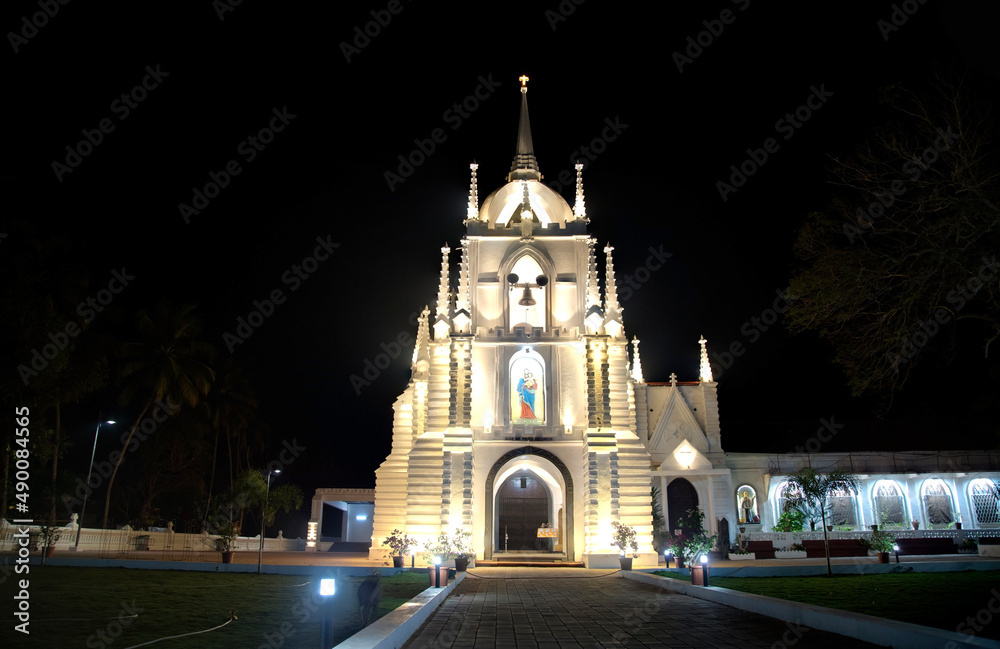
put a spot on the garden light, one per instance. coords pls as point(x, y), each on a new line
point(327, 589)
point(896, 549)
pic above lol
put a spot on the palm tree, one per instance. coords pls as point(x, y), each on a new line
point(809, 488)
point(232, 408)
point(168, 362)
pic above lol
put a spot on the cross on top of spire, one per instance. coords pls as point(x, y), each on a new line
point(524, 81)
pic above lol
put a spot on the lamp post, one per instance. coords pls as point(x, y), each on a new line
point(263, 514)
point(90, 470)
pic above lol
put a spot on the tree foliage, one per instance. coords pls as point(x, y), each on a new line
point(808, 489)
point(905, 254)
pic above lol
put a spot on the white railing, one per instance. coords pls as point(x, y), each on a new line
point(784, 540)
point(127, 541)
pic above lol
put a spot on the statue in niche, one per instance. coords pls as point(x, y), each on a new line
point(526, 388)
point(746, 505)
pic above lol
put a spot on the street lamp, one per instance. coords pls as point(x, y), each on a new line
point(263, 514)
point(90, 470)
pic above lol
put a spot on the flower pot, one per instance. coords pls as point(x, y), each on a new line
point(625, 562)
point(442, 576)
point(915, 525)
point(397, 562)
point(883, 557)
point(461, 564)
point(829, 528)
point(699, 575)
point(227, 557)
point(874, 528)
point(958, 526)
point(50, 551)
point(678, 562)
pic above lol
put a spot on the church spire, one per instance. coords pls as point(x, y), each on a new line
point(636, 364)
point(421, 354)
point(525, 166)
point(595, 315)
point(463, 306)
point(613, 324)
point(473, 211)
point(579, 210)
point(442, 319)
point(705, 375)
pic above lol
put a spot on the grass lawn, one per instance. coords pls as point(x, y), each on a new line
point(944, 599)
point(70, 607)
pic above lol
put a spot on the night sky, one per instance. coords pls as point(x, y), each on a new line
point(337, 108)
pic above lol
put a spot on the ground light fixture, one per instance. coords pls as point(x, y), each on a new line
point(327, 589)
point(704, 569)
point(896, 549)
point(90, 469)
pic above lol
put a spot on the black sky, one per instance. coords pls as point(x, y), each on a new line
point(323, 175)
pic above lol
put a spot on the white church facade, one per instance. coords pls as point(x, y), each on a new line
point(527, 409)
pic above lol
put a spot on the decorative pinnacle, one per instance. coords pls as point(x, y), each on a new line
point(580, 209)
point(524, 82)
point(473, 209)
point(706, 366)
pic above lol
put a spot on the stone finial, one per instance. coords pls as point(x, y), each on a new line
point(580, 208)
point(705, 375)
point(673, 380)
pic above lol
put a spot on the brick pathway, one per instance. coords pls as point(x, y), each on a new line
point(555, 608)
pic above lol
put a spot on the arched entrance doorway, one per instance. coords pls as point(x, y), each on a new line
point(681, 496)
point(523, 505)
point(546, 497)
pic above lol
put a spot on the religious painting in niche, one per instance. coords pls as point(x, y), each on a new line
point(527, 396)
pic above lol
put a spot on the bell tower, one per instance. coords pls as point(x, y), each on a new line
point(521, 407)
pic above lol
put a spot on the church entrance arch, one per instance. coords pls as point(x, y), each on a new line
point(525, 488)
point(681, 496)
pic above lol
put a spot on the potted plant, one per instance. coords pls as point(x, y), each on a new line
point(969, 546)
point(226, 543)
point(790, 521)
point(461, 548)
point(695, 542)
point(399, 546)
point(441, 550)
point(624, 537)
point(881, 542)
point(50, 535)
point(915, 524)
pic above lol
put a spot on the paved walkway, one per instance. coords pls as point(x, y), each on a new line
point(556, 608)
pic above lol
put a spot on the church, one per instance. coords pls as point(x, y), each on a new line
point(527, 420)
